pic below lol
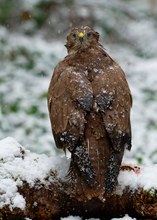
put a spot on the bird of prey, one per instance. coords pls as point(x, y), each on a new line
point(89, 104)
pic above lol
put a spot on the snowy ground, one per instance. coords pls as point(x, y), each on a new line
point(126, 217)
point(24, 77)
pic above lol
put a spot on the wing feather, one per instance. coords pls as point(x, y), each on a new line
point(113, 99)
point(69, 97)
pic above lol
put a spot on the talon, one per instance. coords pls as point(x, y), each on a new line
point(130, 167)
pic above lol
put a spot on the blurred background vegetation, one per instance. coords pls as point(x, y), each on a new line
point(32, 38)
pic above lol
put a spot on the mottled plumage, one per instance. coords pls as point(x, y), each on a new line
point(89, 104)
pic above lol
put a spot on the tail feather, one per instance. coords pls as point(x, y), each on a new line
point(112, 171)
point(80, 159)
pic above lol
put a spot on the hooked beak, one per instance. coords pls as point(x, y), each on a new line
point(81, 37)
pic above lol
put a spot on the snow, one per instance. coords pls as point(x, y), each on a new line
point(27, 90)
point(126, 217)
point(71, 218)
point(19, 165)
point(9, 195)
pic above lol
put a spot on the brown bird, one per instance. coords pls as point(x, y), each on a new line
point(89, 104)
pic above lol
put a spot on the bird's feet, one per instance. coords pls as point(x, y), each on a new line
point(130, 167)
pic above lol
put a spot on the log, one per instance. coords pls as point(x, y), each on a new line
point(53, 202)
point(53, 196)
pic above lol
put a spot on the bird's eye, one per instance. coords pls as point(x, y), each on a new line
point(74, 35)
point(88, 34)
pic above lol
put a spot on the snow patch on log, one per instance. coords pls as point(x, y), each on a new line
point(18, 165)
point(72, 218)
point(126, 217)
point(146, 179)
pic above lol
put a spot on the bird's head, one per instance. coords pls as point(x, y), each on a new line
point(81, 38)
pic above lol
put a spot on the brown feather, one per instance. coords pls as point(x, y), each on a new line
point(89, 103)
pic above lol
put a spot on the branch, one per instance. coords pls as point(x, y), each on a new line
point(34, 186)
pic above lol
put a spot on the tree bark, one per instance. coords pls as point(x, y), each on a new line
point(60, 199)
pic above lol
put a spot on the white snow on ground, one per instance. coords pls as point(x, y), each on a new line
point(18, 164)
point(72, 218)
point(27, 90)
point(126, 217)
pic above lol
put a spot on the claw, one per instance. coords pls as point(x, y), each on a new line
point(130, 167)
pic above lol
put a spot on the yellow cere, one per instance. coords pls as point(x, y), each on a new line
point(80, 34)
